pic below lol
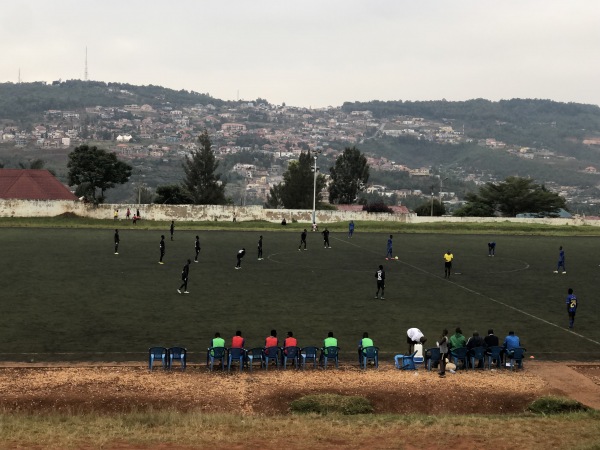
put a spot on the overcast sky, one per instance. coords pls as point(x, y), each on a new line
point(313, 53)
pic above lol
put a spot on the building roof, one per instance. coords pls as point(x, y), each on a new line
point(29, 184)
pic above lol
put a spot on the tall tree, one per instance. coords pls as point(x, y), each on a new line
point(91, 168)
point(296, 191)
point(349, 176)
point(201, 184)
point(426, 208)
point(513, 196)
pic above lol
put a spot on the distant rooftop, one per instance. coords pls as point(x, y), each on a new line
point(29, 184)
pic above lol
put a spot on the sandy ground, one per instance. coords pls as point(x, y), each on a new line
point(126, 387)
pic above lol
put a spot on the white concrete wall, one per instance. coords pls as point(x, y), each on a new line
point(41, 208)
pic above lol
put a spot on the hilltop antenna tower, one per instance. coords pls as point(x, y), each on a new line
point(85, 73)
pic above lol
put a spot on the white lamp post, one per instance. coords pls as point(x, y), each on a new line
point(315, 191)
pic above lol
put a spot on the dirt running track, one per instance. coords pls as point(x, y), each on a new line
point(125, 387)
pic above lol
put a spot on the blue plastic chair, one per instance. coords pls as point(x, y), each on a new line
point(515, 356)
point(494, 354)
point(330, 353)
point(157, 353)
point(477, 354)
point(291, 353)
point(255, 354)
point(370, 354)
point(272, 353)
point(433, 357)
point(236, 354)
point(408, 362)
point(178, 354)
point(216, 354)
point(309, 353)
point(460, 354)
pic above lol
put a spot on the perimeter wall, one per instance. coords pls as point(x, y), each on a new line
point(44, 208)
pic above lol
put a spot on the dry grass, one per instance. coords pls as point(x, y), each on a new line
point(173, 429)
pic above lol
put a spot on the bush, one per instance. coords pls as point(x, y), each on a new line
point(556, 405)
point(332, 403)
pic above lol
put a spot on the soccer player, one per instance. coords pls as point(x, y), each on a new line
point(240, 255)
point(302, 240)
point(216, 342)
point(329, 341)
point(491, 248)
point(172, 228)
point(561, 261)
point(184, 278)
point(197, 248)
point(389, 248)
point(116, 214)
point(571, 307)
point(117, 240)
point(448, 257)
point(162, 248)
point(128, 214)
point(351, 228)
point(326, 238)
point(443, 345)
point(380, 277)
point(260, 257)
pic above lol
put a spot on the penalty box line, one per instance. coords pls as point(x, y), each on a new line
point(506, 305)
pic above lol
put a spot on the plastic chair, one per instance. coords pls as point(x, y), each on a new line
point(255, 354)
point(477, 354)
point(291, 353)
point(330, 353)
point(178, 354)
point(236, 354)
point(494, 353)
point(216, 354)
point(460, 354)
point(433, 356)
point(515, 355)
point(273, 354)
point(408, 362)
point(308, 353)
point(157, 353)
point(370, 354)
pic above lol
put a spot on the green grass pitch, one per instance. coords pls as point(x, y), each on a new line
point(65, 295)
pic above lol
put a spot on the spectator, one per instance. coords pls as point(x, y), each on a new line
point(272, 341)
point(365, 342)
point(217, 342)
point(329, 341)
point(414, 336)
point(238, 341)
point(457, 340)
point(510, 343)
point(443, 345)
point(290, 341)
point(491, 340)
point(473, 342)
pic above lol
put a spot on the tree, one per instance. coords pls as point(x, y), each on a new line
point(274, 198)
point(201, 184)
point(349, 176)
point(425, 208)
point(91, 168)
point(171, 194)
point(513, 196)
point(296, 191)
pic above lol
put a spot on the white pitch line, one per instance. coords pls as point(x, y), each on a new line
point(490, 298)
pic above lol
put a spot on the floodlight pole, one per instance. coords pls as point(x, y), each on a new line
point(442, 187)
point(314, 191)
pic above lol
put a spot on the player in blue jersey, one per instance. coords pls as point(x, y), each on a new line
point(351, 228)
point(561, 261)
point(571, 307)
point(491, 248)
point(389, 253)
point(380, 277)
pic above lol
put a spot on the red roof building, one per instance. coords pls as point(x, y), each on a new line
point(29, 184)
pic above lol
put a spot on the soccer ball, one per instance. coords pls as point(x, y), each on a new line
point(396, 257)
